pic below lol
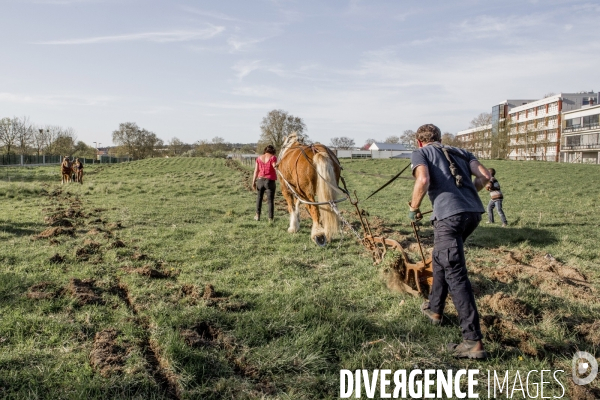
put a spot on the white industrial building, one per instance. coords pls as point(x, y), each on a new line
point(378, 150)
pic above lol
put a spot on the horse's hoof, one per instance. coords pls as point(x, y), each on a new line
point(292, 230)
point(320, 240)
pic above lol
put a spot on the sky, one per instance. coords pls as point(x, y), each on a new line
point(196, 70)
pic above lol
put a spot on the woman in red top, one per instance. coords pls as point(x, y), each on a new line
point(264, 180)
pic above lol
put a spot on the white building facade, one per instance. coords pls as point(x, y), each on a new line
point(581, 135)
point(528, 130)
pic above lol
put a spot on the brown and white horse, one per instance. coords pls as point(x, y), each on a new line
point(66, 170)
point(310, 174)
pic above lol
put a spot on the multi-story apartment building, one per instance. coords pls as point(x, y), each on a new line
point(534, 129)
point(477, 140)
point(525, 129)
point(489, 141)
point(580, 140)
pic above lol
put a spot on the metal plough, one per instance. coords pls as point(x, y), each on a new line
point(415, 278)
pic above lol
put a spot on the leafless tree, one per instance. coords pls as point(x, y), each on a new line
point(176, 146)
point(481, 120)
point(24, 130)
point(277, 125)
point(392, 139)
point(64, 144)
point(450, 139)
point(38, 140)
point(8, 134)
point(409, 139)
point(343, 142)
point(549, 94)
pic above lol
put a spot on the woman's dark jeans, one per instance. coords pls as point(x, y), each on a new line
point(262, 185)
point(450, 271)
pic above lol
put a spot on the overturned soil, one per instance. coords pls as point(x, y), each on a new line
point(43, 290)
point(53, 232)
point(137, 256)
point(107, 357)
point(191, 290)
point(507, 305)
point(590, 331)
point(117, 244)
point(151, 272)
point(57, 259)
point(84, 291)
point(546, 273)
point(213, 298)
point(89, 247)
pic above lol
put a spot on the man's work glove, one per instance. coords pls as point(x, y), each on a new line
point(414, 214)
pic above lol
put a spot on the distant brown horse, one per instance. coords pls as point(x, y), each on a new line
point(66, 170)
point(306, 172)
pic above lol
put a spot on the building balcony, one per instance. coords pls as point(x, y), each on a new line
point(587, 146)
point(579, 128)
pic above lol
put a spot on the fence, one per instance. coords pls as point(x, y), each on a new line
point(14, 160)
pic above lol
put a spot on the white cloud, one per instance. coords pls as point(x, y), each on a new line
point(157, 37)
point(244, 68)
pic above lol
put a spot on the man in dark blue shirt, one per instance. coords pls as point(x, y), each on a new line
point(444, 173)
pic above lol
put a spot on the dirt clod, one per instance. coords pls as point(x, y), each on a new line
point(580, 392)
point(139, 256)
point(57, 259)
point(114, 225)
point(107, 357)
point(42, 290)
point(204, 334)
point(190, 290)
point(150, 272)
point(84, 291)
point(209, 292)
point(590, 331)
point(53, 232)
point(89, 247)
point(507, 305)
point(117, 244)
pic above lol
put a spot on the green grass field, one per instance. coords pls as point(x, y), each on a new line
point(152, 280)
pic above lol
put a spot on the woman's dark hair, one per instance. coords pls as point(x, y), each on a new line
point(492, 171)
point(270, 149)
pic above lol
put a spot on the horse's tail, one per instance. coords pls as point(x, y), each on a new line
point(326, 191)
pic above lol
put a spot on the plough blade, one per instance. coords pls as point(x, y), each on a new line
point(414, 278)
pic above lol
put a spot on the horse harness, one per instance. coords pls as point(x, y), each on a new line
point(314, 149)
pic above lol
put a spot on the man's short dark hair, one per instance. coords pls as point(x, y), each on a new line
point(492, 171)
point(429, 133)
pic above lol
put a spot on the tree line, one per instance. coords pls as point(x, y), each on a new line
point(20, 136)
point(279, 123)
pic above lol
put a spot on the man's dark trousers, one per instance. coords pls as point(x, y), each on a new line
point(450, 271)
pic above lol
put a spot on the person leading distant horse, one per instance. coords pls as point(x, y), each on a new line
point(264, 180)
point(78, 170)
